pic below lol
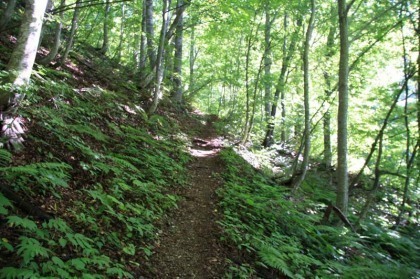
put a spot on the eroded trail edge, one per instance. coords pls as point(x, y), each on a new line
point(189, 247)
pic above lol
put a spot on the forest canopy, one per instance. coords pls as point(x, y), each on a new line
point(322, 97)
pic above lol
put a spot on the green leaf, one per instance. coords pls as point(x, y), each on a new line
point(78, 263)
point(4, 202)
point(130, 249)
point(16, 221)
point(29, 248)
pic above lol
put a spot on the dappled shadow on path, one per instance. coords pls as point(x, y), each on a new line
point(206, 148)
point(189, 245)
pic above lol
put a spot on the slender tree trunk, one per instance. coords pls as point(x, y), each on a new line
point(193, 57)
point(381, 131)
point(267, 63)
point(121, 39)
point(57, 38)
point(143, 40)
point(409, 156)
point(20, 69)
point(7, 15)
point(372, 194)
point(254, 104)
point(307, 132)
point(247, 88)
point(150, 33)
point(283, 93)
point(105, 42)
point(178, 56)
point(327, 160)
point(288, 53)
point(73, 30)
point(160, 58)
point(342, 177)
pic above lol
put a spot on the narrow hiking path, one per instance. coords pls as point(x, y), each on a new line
point(189, 245)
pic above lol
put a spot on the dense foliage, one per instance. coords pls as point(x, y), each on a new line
point(275, 230)
point(325, 92)
point(95, 165)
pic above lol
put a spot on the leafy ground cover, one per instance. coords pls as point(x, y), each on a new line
point(282, 236)
point(83, 198)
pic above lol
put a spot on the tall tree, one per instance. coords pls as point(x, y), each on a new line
point(178, 91)
point(330, 51)
point(150, 32)
point(57, 37)
point(307, 132)
point(267, 61)
point(74, 26)
point(343, 103)
point(105, 42)
point(159, 65)
point(288, 52)
point(143, 39)
point(20, 68)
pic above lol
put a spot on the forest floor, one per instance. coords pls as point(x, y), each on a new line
point(189, 245)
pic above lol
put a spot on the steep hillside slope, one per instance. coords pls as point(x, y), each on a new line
point(84, 195)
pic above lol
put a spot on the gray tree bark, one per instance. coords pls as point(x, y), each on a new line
point(57, 38)
point(159, 60)
point(192, 58)
point(121, 39)
point(105, 42)
point(150, 33)
point(307, 132)
point(327, 160)
point(267, 63)
point(74, 25)
point(20, 69)
point(343, 102)
point(143, 40)
point(178, 56)
point(288, 52)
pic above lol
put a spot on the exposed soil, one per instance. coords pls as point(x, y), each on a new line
point(189, 246)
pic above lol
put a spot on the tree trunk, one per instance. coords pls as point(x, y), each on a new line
point(160, 58)
point(327, 160)
point(57, 38)
point(372, 194)
point(121, 39)
point(143, 39)
point(178, 57)
point(7, 15)
point(342, 177)
point(409, 156)
point(73, 30)
point(307, 132)
point(20, 69)
point(150, 33)
point(281, 83)
point(105, 42)
point(267, 63)
point(193, 57)
point(247, 88)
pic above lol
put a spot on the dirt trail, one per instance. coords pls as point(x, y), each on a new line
point(189, 247)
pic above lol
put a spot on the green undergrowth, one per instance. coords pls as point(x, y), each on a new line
point(101, 169)
point(282, 236)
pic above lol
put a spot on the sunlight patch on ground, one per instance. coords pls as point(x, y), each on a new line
point(206, 148)
point(203, 153)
